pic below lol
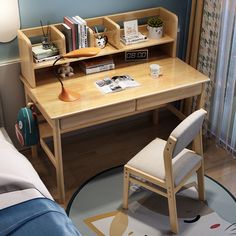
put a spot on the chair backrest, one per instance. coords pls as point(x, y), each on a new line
point(187, 130)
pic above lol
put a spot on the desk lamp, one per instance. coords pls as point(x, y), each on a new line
point(67, 95)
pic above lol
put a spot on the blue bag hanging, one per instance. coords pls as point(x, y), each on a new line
point(26, 128)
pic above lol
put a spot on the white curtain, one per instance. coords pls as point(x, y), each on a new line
point(222, 116)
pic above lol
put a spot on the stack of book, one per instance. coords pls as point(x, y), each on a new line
point(97, 64)
point(41, 54)
point(134, 39)
point(76, 32)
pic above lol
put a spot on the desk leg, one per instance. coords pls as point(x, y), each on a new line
point(201, 99)
point(155, 117)
point(200, 104)
point(59, 163)
point(34, 151)
point(188, 106)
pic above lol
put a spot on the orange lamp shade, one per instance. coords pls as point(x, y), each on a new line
point(82, 52)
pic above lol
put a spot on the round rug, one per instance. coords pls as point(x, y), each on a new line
point(96, 209)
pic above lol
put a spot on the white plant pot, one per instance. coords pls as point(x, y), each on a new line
point(155, 32)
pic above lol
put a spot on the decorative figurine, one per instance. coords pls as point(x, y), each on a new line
point(101, 39)
point(65, 70)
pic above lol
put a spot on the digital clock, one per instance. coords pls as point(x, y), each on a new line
point(136, 55)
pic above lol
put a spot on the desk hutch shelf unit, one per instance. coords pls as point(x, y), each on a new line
point(40, 73)
point(179, 81)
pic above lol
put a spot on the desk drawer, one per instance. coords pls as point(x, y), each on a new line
point(168, 96)
point(97, 116)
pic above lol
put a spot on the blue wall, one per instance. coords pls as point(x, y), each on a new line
point(32, 11)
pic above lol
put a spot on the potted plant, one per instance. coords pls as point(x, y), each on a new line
point(155, 27)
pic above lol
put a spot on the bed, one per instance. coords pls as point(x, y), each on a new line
point(26, 206)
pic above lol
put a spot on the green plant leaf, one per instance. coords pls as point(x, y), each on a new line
point(155, 22)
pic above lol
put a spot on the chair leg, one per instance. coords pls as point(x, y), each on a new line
point(126, 188)
point(173, 212)
point(201, 184)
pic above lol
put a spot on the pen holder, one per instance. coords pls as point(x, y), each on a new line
point(45, 42)
point(101, 41)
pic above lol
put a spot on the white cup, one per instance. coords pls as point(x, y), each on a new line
point(155, 70)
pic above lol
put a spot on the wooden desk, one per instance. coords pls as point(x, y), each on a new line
point(178, 81)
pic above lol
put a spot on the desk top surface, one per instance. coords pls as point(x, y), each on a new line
point(176, 75)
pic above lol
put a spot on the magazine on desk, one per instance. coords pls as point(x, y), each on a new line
point(116, 83)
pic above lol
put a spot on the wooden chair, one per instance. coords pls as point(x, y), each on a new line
point(165, 166)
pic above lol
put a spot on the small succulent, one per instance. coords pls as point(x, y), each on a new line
point(155, 22)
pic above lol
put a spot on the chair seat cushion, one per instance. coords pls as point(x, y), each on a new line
point(151, 161)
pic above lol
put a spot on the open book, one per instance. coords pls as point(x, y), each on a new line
point(116, 83)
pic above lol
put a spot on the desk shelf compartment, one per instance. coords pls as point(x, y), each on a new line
point(170, 28)
point(112, 30)
point(25, 38)
point(31, 71)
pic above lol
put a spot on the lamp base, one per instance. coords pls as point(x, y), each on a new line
point(68, 96)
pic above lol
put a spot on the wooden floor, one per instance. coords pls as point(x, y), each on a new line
point(99, 148)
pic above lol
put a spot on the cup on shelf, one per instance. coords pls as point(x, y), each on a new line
point(155, 70)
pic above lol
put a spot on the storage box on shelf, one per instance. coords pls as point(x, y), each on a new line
point(34, 73)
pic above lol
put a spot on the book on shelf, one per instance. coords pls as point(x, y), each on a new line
point(79, 31)
point(82, 31)
point(52, 58)
point(74, 27)
point(95, 65)
point(40, 53)
point(99, 68)
point(67, 31)
point(133, 39)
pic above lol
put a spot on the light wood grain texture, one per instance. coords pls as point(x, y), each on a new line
point(123, 139)
point(58, 38)
point(113, 31)
point(175, 111)
point(177, 82)
point(25, 49)
point(126, 188)
point(165, 187)
point(58, 159)
point(170, 28)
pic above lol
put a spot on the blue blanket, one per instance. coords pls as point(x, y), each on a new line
point(36, 217)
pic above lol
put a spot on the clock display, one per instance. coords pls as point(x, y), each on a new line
point(136, 55)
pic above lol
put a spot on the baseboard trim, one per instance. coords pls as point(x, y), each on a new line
point(10, 62)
